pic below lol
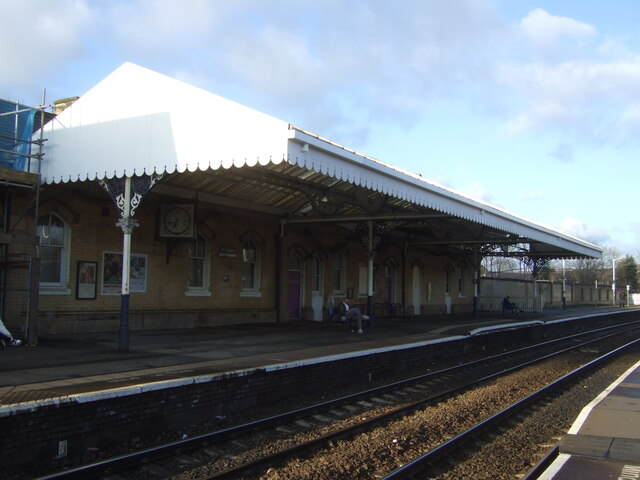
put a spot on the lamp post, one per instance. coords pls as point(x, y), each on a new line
point(613, 285)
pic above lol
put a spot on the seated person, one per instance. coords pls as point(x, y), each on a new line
point(345, 309)
point(6, 337)
point(512, 307)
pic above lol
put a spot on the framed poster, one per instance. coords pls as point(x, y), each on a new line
point(86, 280)
point(112, 273)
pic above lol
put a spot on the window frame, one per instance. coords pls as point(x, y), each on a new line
point(61, 287)
point(204, 289)
point(254, 289)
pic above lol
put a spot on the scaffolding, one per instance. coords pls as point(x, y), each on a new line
point(20, 158)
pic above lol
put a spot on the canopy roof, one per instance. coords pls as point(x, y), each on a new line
point(137, 121)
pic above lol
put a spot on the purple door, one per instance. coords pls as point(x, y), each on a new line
point(293, 301)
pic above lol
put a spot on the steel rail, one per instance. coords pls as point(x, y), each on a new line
point(135, 458)
point(418, 464)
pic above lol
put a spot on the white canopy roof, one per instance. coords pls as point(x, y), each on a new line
point(138, 121)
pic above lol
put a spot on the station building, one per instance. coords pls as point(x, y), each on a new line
point(153, 200)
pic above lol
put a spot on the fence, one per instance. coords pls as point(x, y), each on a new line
point(535, 296)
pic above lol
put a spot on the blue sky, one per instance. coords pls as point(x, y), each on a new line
point(533, 106)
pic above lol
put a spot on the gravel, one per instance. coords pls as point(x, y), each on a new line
point(513, 453)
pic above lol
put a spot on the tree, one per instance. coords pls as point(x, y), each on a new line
point(627, 273)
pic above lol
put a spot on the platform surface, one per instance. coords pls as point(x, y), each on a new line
point(604, 441)
point(76, 364)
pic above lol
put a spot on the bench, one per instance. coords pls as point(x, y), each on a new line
point(335, 317)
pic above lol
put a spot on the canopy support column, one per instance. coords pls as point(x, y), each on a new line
point(476, 282)
point(370, 255)
point(127, 194)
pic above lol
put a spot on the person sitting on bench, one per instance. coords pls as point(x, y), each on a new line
point(512, 307)
point(351, 313)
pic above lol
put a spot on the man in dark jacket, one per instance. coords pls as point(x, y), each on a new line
point(346, 310)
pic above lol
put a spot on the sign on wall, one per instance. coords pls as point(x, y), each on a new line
point(86, 280)
point(112, 273)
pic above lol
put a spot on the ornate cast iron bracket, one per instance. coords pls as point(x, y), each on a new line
point(380, 230)
point(140, 186)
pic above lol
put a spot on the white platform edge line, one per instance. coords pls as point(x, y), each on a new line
point(584, 414)
point(553, 469)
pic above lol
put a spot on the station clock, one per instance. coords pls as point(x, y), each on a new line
point(176, 221)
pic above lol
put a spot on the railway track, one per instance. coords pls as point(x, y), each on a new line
point(240, 451)
point(420, 465)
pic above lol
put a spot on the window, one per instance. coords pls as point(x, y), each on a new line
point(54, 268)
point(460, 282)
point(198, 267)
point(250, 269)
point(338, 273)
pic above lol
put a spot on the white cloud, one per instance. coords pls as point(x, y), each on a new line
point(478, 191)
point(278, 62)
point(376, 61)
point(543, 113)
point(163, 27)
point(546, 31)
point(596, 235)
point(338, 67)
point(597, 100)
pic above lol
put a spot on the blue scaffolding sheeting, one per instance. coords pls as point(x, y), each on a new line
point(16, 130)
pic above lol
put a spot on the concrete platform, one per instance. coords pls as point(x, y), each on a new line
point(604, 441)
point(86, 363)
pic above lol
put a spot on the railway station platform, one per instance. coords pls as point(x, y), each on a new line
point(64, 365)
point(604, 441)
point(75, 393)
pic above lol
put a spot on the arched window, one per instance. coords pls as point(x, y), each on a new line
point(54, 245)
point(198, 267)
point(250, 269)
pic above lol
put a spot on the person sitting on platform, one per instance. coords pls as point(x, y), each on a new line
point(6, 334)
point(346, 310)
point(508, 305)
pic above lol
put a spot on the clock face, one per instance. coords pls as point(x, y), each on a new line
point(177, 220)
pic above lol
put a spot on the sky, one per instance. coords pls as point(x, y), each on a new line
point(533, 106)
